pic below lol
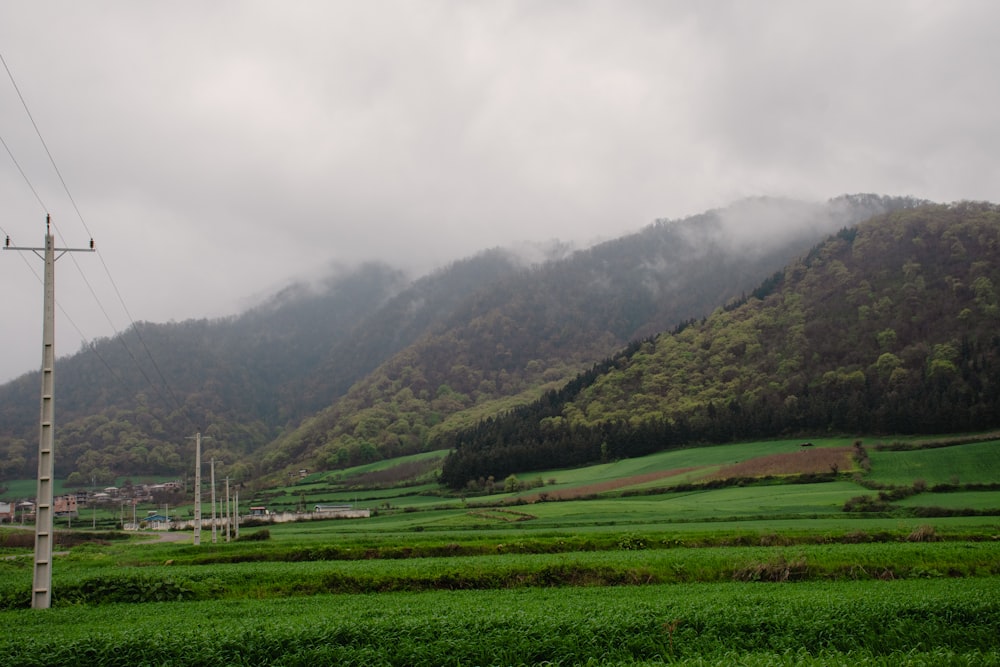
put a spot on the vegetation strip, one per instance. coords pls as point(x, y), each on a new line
point(916, 622)
point(633, 563)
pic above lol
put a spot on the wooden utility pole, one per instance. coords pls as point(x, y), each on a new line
point(41, 588)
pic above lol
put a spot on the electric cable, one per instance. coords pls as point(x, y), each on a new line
point(23, 175)
point(173, 398)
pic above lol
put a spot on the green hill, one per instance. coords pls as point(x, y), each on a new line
point(887, 327)
point(366, 366)
point(527, 333)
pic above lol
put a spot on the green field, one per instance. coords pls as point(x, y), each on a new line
point(629, 562)
point(886, 623)
point(974, 463)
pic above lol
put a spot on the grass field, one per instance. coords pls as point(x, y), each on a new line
point(974, 463)
point(646, 561)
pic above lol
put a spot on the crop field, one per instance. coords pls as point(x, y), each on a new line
point(974, 463)
point(653, 471)
point(738, 554)
point(880, 592)
point(957, 500)
point(919, 621)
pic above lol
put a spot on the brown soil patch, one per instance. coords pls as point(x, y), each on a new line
point(805, 461)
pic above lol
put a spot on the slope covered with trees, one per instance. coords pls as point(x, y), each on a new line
point(128, 405)
point(887, 327)
point(505, 344)
point(367, 365)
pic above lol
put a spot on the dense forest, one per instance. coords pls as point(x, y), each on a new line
point(535, 330)
point(887, 327)
point(368, 365)
point(129, 405)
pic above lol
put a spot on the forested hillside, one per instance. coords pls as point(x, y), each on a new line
point(366, 366)
point(504, 345)
point(128, 405)
point(887, 327)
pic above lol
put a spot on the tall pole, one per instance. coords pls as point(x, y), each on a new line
point(228, 513)
point(213, 500)
point(41, 590)
point(197, 489)
point(41, 587)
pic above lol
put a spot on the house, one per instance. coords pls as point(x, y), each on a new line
point(7, 512)
point(258, 510)
point(65, 505)
point(164, 487)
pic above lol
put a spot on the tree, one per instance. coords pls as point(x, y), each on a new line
point(512, 484)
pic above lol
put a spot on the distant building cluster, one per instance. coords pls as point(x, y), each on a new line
point(67, 505)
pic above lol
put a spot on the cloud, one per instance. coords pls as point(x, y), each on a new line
point(220, 150)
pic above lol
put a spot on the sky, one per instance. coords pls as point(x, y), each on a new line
point(217, 151)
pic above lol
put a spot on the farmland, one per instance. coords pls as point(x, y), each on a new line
point(699, 556)
point(915, 622)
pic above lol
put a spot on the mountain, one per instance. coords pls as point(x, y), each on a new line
point(367, 365)
point(504, 345)
point(128, 405)
point(886, 327)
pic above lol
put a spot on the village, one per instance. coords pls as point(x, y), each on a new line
point(165, 496)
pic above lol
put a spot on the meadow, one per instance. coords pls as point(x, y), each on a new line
point(629, 562)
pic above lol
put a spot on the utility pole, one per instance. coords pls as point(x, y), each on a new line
point(228, 513)
point(41, 588)
point(213, 500)
point(197, 489)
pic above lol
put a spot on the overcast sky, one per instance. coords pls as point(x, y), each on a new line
point(217, 150)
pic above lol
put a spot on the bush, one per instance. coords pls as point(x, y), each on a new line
point(257, 536)
point(866, 504)
point(632, 543)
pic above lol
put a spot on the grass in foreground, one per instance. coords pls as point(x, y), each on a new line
point(900, 622)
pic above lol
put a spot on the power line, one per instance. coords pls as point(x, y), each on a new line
point(23, 175)
point(55, 167)
point(38, 133)
point(24, 259)
point(90, 344)
point(121, 338)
